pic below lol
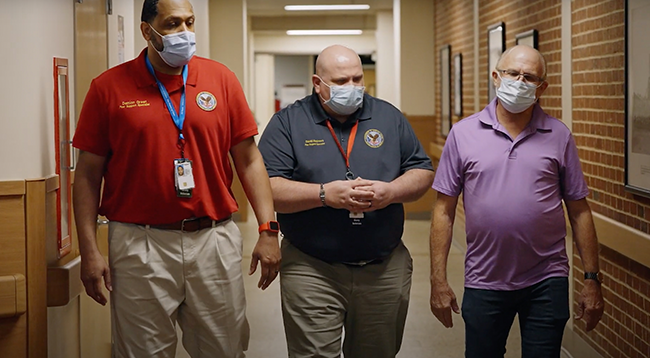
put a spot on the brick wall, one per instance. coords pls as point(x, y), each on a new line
point(623, 331)
point(454, 26)
point(520, 16)
point(598, 117)
point(598, 40)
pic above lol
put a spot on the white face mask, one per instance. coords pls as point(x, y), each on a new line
point(516, 96)
point(344, 100)
point(178, 48)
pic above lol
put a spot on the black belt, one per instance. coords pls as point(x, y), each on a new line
point(364, 262)
point(191, 225)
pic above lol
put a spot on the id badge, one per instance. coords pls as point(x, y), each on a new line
point(184, 178)
point(354, 215)
point(356, 218)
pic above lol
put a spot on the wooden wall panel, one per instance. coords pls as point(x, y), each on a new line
point(12, 235)
point(13, 331)
point(36, 269)
point(16, 187)
point(424, 128)
point(51, 247)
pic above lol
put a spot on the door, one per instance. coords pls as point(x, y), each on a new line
point(91, 59)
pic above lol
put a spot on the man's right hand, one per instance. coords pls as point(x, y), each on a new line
point(93, 269)
point(443, 301)
point(342, 194)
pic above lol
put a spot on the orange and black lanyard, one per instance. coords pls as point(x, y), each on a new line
point(353, 133)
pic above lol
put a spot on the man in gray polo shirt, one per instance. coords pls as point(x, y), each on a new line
point(514, 165)
point(341, 164)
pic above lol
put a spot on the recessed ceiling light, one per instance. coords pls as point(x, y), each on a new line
point(325, 7)
point(324, 32)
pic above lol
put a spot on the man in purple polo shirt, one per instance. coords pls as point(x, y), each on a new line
point(514, 165)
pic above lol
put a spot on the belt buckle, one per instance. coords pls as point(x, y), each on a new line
point(359, 263)
point(183, 224)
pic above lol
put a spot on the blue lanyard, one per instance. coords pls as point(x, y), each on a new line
point(179, 118)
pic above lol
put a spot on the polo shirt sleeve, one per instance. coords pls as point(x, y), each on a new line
point(572, 181)
point(276, 147)
point(449, 178)
point(91, 134)
point(242, 121)
point(412, 154)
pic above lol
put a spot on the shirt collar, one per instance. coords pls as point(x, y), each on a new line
point(320, 116)
point(538, 121)
point(143, 78)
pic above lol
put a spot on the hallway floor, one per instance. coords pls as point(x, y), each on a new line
point(424, 335)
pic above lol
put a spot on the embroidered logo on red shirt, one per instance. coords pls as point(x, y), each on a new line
point(206, 101)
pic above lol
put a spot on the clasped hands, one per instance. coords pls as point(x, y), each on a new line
point(359, 195)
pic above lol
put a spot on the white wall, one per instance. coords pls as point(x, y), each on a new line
point(397, 46)
point(312, 45)
point(249, 86)
point(202, 27)
point(125, 9)
point(228, 30)
point(264, 105)
point(416, 52)
point(386, 66)
point(34, 32)
point(292, 70)
point(138, 41)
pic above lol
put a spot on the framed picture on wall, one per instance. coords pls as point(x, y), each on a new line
point(445, 89)
point(496, 43)
point(637, 97)
point(529, 38)
point(458, 84)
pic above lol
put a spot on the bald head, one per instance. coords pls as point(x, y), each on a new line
point(523, 54)
point(340, 66)
point(336, 57)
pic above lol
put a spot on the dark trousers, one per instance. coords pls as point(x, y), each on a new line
point(543, 311)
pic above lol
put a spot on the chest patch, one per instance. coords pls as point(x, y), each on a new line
point(374, 138)
point(206, 101)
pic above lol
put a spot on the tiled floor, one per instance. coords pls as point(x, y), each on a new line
point(424, 336)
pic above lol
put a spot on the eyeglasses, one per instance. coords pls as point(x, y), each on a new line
point(513, 75)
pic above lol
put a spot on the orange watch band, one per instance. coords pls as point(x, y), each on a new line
point(272, 226)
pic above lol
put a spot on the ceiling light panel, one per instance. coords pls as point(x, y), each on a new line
point(326, 7)
point(323, 32)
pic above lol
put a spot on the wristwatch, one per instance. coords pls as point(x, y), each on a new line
point(271, 226)
point(321, 194)
point(597, 276)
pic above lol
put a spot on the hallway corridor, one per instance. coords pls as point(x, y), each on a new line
point(424, 336)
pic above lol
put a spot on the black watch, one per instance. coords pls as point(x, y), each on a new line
point(597, 276)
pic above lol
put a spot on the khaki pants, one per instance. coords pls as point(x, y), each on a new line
point(164, 276)
point(319, 300)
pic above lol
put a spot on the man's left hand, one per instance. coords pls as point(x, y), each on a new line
point(383, 194)
point(590, 304)
point(267, 252)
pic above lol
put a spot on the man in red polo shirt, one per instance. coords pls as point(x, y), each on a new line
point(175, 253)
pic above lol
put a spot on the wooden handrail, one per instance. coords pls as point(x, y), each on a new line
point(13, 295)
point(63, 283)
